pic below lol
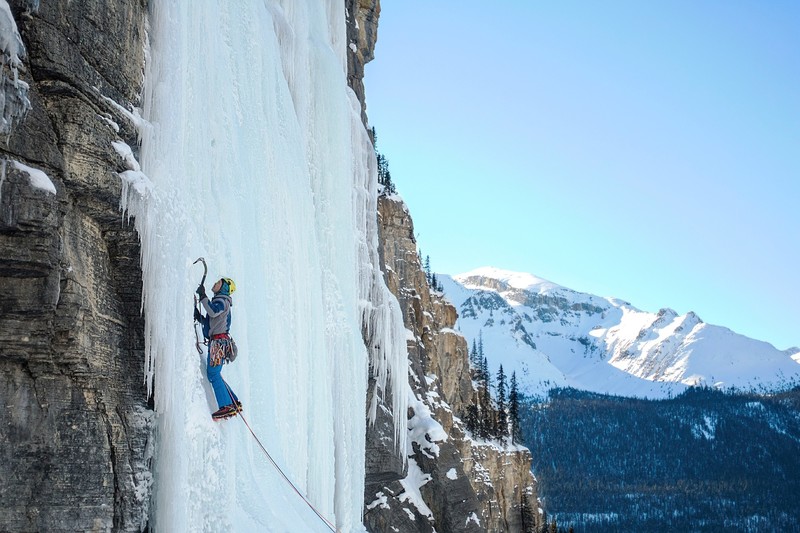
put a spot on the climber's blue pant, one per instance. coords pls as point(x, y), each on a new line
point(214, 374)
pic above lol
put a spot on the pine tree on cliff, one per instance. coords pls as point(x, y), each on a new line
point(471, 419)
point(477, 362)
point(481, 426)
point(527, 518)
point(480, 359)
point(484, 372)
point(513, 410)
point(502, 419)
point(384, 176)
point(488, 426)
point(428, 269)
point(473, 355)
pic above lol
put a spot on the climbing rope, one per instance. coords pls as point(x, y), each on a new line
point(278, 468)
point(239, 412)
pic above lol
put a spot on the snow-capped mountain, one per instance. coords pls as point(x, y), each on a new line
point(552, 336)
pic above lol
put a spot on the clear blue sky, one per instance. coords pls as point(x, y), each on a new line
point(644, 150)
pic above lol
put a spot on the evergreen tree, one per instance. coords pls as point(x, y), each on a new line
point(484, 368)
point(502, 419)
point(384, 176)
point(381, 166)
point(513, 410)
point(387, 181)
point(478, 368)
point(527, 518)
point(471, 419)
point(428, 269)
point(473, 355)
point(434, 282)
point(487, 414)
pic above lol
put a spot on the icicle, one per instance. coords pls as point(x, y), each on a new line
point(14, 102)
point(385, 332)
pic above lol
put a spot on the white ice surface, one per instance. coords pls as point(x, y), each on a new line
point(256, 159)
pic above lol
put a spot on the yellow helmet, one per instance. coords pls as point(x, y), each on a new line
point(231, 285)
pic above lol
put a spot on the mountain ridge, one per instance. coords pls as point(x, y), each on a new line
point(554, 336)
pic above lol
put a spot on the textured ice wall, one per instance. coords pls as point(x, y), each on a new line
point(256, 159)
point(14, 103)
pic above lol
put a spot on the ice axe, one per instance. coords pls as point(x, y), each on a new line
point(202, 282)
point(205, 269)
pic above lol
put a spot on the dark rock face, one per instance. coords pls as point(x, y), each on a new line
point(362, 34)
point(76, 426)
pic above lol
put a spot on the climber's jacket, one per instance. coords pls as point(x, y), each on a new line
point(218, 315)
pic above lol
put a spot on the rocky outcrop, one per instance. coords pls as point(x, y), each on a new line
point(76, 424)
point(503, 483)
point(362, 34)
point(452, 483)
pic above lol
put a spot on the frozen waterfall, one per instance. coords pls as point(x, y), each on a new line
point(254, 157)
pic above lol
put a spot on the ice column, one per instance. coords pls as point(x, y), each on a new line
point(255, 158)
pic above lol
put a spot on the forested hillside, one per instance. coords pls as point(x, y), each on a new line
point(703, 461)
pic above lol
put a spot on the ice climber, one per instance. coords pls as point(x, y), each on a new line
point(221, 348)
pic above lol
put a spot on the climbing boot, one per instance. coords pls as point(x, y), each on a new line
point(224, 412)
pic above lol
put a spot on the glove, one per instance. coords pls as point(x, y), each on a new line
point(197, 316)
point(201, 292)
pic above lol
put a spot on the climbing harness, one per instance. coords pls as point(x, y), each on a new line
point(223, 349)
point(328, 523)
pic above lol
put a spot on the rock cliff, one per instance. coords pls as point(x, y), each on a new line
point(76, 425)
point(362, 34)
point(452, 482)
